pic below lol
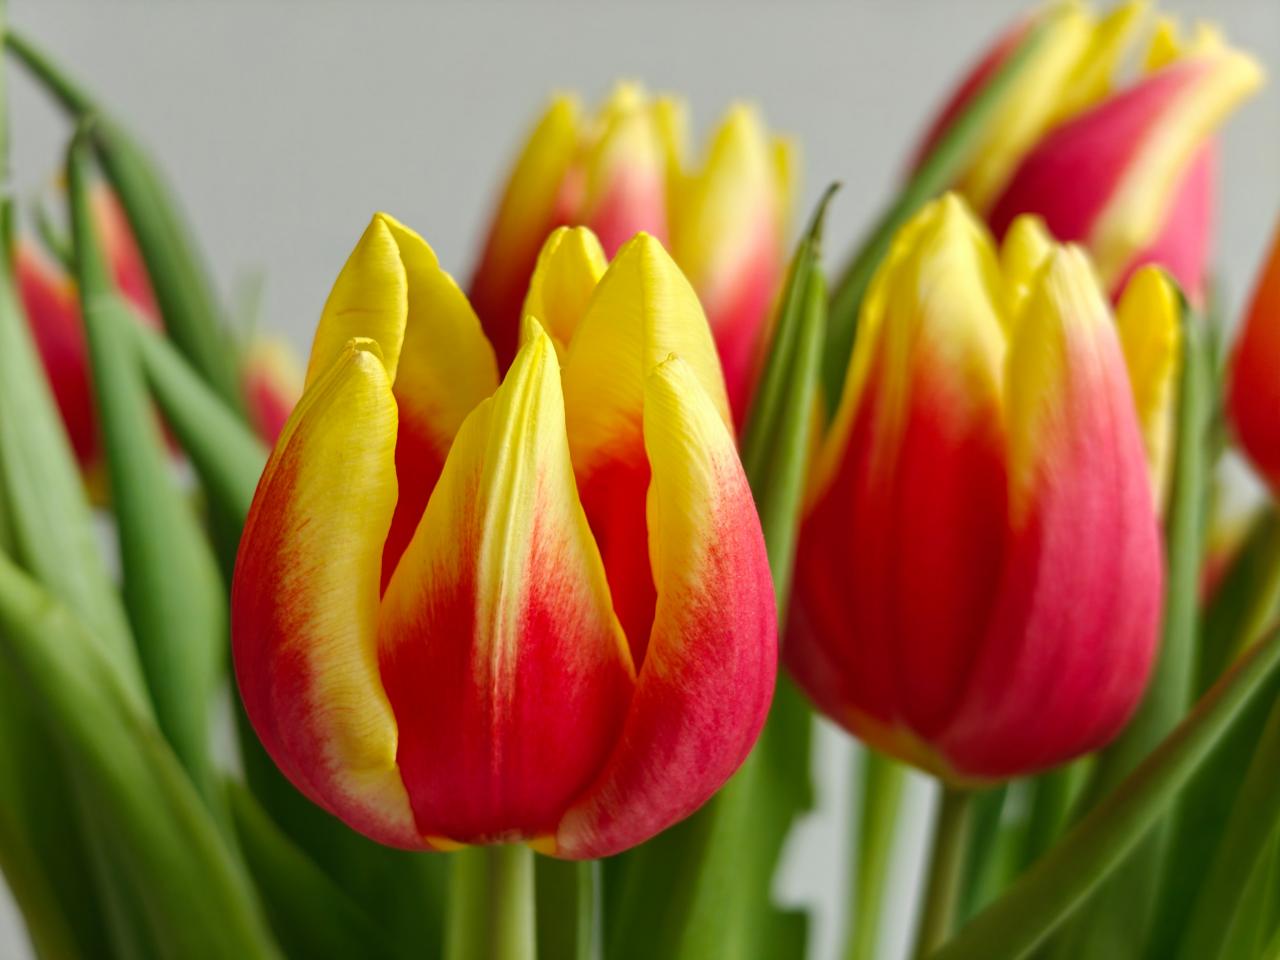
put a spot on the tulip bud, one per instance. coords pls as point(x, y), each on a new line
point(1128, 172)
point(539, 610)
point(625, 171)
point(979, 572)
point(1254, 389)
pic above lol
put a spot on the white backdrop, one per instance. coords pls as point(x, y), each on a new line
point(286, 124)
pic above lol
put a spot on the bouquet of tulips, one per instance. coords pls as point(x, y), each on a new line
point(465, 642)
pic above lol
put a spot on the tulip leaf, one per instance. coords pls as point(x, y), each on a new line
point(177, 275)
point(226, 454)
point(715, 870)
point(934, 175)
point(1060, 882)
point(310, 914)
point(1117, 922)
point(1245, 599)
point(172, 588)
point(1247, 837)
point(198, 901)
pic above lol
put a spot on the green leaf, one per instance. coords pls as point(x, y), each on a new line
point(172, 588)
point(1059, 883)
point(226, 454)
point(1118, 921)
point(198, 901)
point(177, 274)
point(714, 872)
point(1247, 837)
point(938, 171)
point(310, 914)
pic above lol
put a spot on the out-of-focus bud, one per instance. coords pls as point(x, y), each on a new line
point(979, 573)
point(1254, 390)
point(626, 170)
point(539, 610)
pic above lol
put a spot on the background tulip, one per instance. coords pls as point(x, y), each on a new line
point(1254, 390)
point(1126, 170)
point(540, 612)
point(270, 381)
point(979, 572)
point(626, 170)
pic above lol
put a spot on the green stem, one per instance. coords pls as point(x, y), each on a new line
point(1253, 822)
point(491, 905)
point(946, 870)
point(876, 820)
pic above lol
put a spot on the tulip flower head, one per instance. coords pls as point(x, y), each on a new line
point(1123, 167)
point(626, 170)
point(1254, 390)
point(470, 611)
point(979, 570)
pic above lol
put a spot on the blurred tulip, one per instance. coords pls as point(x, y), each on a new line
point(979, 570)
point(270, 383)
point(541, 610)
point(1127, 172)
point(625, 170)
point(1254, 390)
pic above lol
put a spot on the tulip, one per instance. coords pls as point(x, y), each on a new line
point(1254, 389)
point(625, 171)
point(52, 306)
point(467, 612)
point(979, 570)
point(1127, 172)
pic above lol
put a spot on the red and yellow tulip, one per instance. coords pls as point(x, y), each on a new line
point(625, 170)
point(979, 570)
point(1127, 169)
point(469, 611)
point(270, 381)
point(1254, 389)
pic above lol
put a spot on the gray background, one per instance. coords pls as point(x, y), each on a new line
point(286, 124)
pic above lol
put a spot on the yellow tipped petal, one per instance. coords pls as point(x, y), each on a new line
point(1207, 90)
point(369, 299)
point(1056, 343)
point(786, 166)
point(305, 603)
point(1026, 246)
point(1028, 108)
point(569, 267)
point(671, 119)
point(723, 207)
point(643, 310)
point(1147, 320)
point(1168, 45)
point(1111, 40)
point(447, 365)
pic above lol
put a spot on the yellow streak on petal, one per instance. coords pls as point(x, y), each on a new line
point(1168, 45)
point(643, 310)
point(336, 456)
point(1065, 314)
point(1026, 247)
point(1028, 107)
point(1112, 38)
point(570, 265)
point(1137, 207)
point(1147, 319)
point(369, 299)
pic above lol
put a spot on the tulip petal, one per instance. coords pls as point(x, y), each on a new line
point(532, 205)
point(505, 666)
point(305, 599)
point(707, 680)
point(1082, 521)
point(643, 311)
point(1147, 320)
point(1025, 249)
point(726, 234)
point(569, 267)
point(1255, 388)
point(922, 403)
